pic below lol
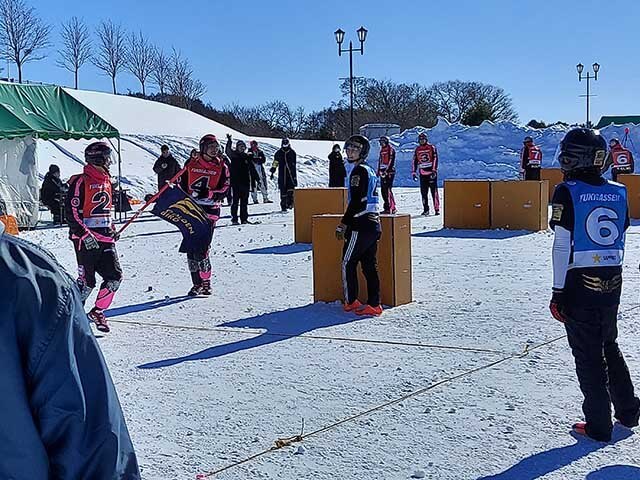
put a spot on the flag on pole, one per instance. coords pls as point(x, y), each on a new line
point(177, 208)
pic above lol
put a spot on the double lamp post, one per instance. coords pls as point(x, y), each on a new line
point(362, 36)
point(588, 77)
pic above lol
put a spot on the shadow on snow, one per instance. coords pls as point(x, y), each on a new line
point(479, 234)
point(278, 326)
point(541, 464)
point(142, 307)
point(280, 249)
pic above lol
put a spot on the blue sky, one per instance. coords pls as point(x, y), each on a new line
point(252, 51)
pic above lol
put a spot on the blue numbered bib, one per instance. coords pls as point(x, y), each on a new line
point(373, 200)
point(600, 214)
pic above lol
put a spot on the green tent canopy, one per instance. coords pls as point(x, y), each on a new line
point(49, 113)
point(618, 120)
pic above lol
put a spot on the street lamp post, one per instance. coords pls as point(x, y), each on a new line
point(362, 36)
point(588, 77)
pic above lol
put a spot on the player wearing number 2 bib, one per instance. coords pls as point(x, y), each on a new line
point(88, 208)
point(206, 180)
point(590, 217)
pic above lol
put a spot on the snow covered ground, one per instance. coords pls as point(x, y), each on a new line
point(208, 382)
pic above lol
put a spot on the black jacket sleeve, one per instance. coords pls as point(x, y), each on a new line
point(73, 207)
point(157, 167)
point(358, 186)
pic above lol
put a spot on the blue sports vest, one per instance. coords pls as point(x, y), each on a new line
point(600, 214)
point(373, 200)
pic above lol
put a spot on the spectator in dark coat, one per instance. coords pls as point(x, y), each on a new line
point(337, 172)
point(59, 410)
point(284, 162)
point(241, 165)
point(166, 166)
point(51, 193)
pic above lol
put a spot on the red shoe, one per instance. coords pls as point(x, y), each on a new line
point(350, 307)
point(580, 428)
point(369, 310)
point(97, 316)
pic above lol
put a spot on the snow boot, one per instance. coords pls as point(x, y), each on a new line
point(97, 316)
point(370, 311)
point(195, 290)
point(581, 429)
point(205, 288)
point(425, 213)
point(268, 201)
point(234, 221)
point(350, 307)
point(437, 212)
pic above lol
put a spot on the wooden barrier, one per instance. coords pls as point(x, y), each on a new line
point(632, 182)
point(554, 176)
point(394, 261)
point(315, 201)
point(467, 204)
point(520, 205)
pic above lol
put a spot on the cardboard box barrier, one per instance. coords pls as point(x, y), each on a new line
point(632, 182)
point(520, 205)
point(467, 204)
point(554, 176)
point(394, 260)
point(315, 201)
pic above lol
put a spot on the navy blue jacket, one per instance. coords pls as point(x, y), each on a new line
point(60, 418)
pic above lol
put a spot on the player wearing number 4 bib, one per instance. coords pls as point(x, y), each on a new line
point(88, 210)
point(589, 219)
point(206, 180)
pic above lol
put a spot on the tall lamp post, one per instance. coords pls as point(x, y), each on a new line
point(362, 36)
point(588, 77)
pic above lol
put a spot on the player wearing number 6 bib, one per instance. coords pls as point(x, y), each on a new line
point(88, 209)
point(206, 180)
point(590, 217)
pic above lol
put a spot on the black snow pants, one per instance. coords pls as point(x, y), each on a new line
point(361, 247)
point(602, 372)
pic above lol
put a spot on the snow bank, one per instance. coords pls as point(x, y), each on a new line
point(491, 150)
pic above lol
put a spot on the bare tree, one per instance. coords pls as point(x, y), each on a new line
point(22, 33)
point(112, 50)
point(181, 83)
point(141, 57)
point(161, 70)
point(76, 47)
point(294, 121)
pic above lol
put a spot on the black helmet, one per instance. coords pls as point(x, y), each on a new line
point(98, 154)
point(527, 139)
point(384, 139)
point(360, 142)
point(614, 141)
point(53, 168)
point(240, 143)
point(582, 148)
point(206, 141)
point(422, 135)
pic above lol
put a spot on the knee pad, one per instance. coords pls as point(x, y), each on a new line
point(112, 285)
point(204, 265)
point(193, 264)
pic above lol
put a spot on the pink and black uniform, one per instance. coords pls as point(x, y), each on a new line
point(425, 165)
point(386, 173)
point(88, 210)
point(206, 179)
point(530, 160)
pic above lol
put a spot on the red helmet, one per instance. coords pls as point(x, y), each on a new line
point(206, 141)
point(98, 154)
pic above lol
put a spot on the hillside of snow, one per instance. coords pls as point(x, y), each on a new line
point(490, 150)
